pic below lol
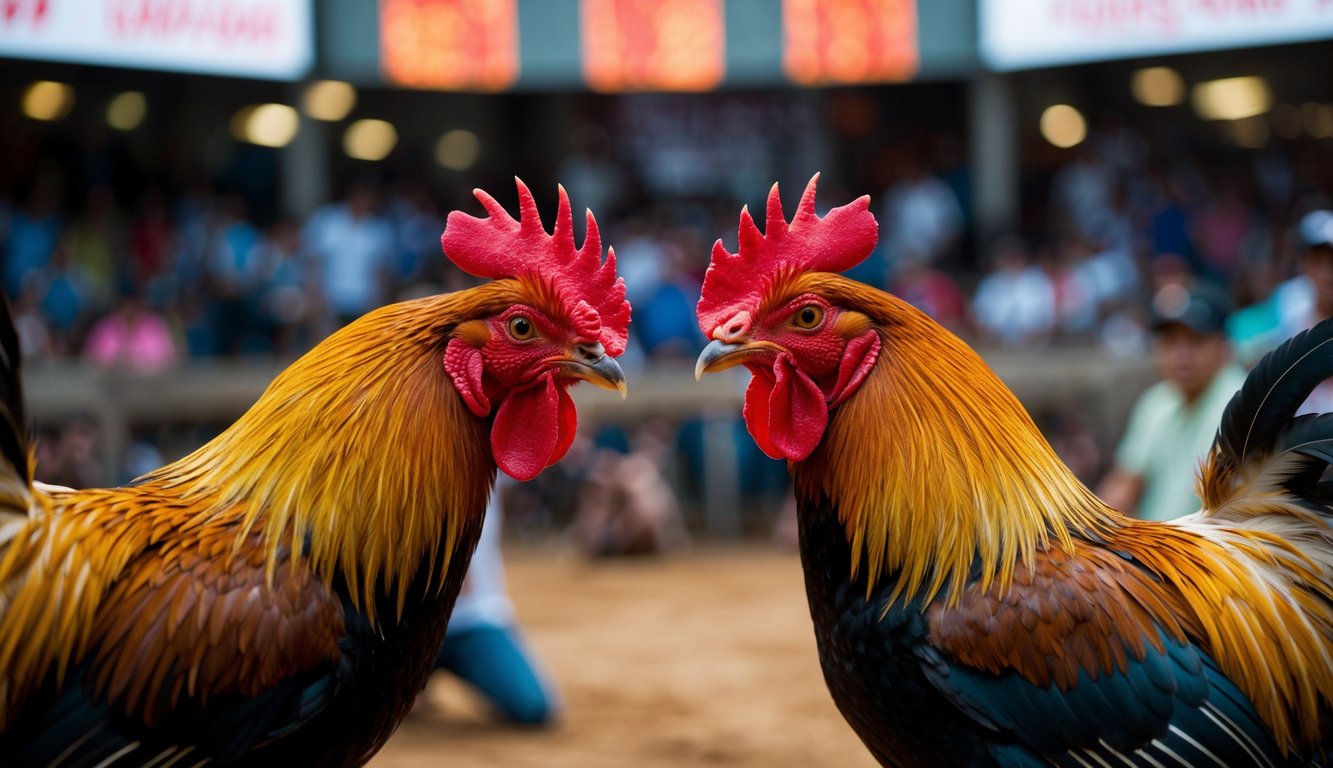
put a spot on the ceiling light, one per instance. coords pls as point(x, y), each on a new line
point(1063, 126)
point(1232, 98)
point(268, 125)
point(329, 100)
point(48, 100)
point(369, 139)
point(457, 150)
point(1157, 86)
point(126, 111)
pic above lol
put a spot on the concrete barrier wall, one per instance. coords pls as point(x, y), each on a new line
point(1102, 390)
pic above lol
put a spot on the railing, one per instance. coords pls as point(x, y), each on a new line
point(1102, 389)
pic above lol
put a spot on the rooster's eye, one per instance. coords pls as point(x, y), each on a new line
point(808, 316)
point(521, 328)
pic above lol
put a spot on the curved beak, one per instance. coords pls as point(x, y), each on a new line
point(590, 363)
point(719, 355)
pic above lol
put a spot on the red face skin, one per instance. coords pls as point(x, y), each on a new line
point(524, 368)
point(804, 364)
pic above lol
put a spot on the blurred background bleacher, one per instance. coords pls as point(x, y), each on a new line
point(193, 192)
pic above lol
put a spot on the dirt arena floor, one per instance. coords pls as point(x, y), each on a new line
point(700, 659)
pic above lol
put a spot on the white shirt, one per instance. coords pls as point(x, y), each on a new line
point(353, 254)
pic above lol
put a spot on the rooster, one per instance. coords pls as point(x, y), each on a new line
point(278, 596)
point(973, 602)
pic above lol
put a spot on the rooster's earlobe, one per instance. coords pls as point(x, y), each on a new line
point(463, 363)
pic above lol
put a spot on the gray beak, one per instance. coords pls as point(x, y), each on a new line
point(590, 363)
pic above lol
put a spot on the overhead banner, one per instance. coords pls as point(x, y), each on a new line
point(269, 39)
point(450, 44)
point(1025, 34)
point(849, 41)
point(638, 45)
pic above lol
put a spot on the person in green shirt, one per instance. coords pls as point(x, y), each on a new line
point(1173, 423)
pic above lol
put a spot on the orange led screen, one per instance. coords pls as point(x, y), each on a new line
point(450, 44)
point(849, 41)
point(653, 45)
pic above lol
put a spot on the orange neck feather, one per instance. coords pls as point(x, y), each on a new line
point(362, 448)
point(934, 463)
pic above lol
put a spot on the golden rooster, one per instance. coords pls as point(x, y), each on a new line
point(278, 596)
point(973, 602)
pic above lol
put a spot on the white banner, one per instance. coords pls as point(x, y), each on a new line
point(1019, 34)
point(269, 39)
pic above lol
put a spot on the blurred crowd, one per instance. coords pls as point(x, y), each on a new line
point(144, 277)
point(147, 280)
point(144, 283)
point(1120, 222)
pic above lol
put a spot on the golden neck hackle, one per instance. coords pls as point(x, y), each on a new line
point(360, 456)
point(933, 464)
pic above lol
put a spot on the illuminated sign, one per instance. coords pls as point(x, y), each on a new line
point(653, 45)
point(449, 44)
point(252, 38)
point(849, 41)
point(1016, 34)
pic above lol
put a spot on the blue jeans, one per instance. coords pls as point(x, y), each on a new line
point(494, 661)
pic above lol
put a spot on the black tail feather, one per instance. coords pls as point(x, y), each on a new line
point(13, 419)
point(1275, 389)
point(1310, 436)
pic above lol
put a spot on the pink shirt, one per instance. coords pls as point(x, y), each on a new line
point(143, 345)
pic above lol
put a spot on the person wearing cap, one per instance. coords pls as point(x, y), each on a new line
point(1304, 300)
point(1173, 423)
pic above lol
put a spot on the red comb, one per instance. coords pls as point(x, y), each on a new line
point(498, 246)
point(736, 281)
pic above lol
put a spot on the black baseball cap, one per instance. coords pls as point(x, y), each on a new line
point(1200, 307)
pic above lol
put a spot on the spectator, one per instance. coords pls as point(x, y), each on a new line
point(1171, 221)
point(287, 305)
point(920, 213)
point(483, 645)
point(1083, 191)
point(1066, 267)
point(665, 319)
point(592, 175)
point(931, 291)
point(33, 234)
point(1174, 422)
point(151, 237)
point(1015, 304)
point(131, 338)
point(236, 273)
point(97, 245)
point(1220, 228)
point(640, 259)
point(626, 506)
point(416, 223)
point(352, 247)
point(36, 340)
point(1307, 299)
point(69, 458)
point(66, 297)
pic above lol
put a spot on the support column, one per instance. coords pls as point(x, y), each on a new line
point(993, 139)
point(305, 165)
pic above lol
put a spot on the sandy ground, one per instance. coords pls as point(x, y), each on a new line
point(701, 659)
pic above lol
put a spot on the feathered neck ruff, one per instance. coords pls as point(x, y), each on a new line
point(360, 456)
point(934, 466)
